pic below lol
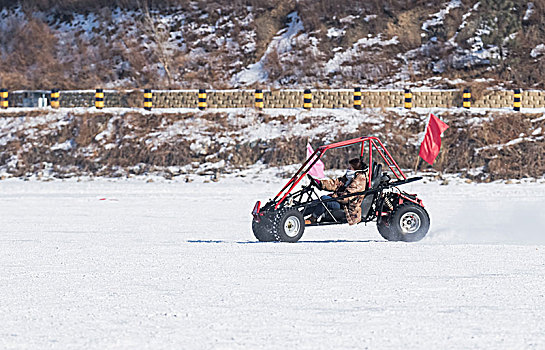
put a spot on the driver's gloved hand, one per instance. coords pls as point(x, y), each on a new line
point(318, 184)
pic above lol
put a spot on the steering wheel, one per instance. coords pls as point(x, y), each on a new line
point(313, 182)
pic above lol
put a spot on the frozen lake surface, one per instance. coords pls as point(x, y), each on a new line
point(136, 265)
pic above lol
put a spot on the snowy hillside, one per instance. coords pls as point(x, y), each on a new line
point(482, 145)
point(282, 43)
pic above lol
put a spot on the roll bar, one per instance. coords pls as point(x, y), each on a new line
point(373, 143)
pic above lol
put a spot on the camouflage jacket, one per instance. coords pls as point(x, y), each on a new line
point(351, 205)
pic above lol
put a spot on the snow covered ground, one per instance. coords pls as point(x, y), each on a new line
point(130, 264)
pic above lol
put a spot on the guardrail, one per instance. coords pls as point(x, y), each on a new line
point(259, 99)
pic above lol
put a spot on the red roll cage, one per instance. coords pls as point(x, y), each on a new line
point(373, 143)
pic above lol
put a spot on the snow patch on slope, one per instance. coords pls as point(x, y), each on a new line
point(64, 146)
point(529, 11)
point(341, 57)
point(539, 50)
point(281, 43)
point(439, 17)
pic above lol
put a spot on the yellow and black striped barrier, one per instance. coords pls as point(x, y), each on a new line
point(148, 99)
point(55, 95)
point(4, 103)
point(357, 98)
point(517, 100)
point(307, 99)
point(467, 98)
point(99, 99)
point(408, 99)
point(202, 99)
point(259, 99)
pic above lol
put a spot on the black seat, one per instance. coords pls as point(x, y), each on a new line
point(367, 201)
point(376, 175)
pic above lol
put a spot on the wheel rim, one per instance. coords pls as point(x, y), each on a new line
point(292, 226)
point(410, 223)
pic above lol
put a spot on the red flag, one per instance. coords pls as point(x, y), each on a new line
point(317, 169)
point(429, 149)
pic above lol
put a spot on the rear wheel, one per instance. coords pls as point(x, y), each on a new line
point(408, 223)
point(288, 225)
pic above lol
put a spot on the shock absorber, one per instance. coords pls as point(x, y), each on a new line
point(388, 203)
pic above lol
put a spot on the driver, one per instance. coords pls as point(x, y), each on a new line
point(354, 180)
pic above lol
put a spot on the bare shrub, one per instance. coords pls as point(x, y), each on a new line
point(273, 66)
point(478, 89)
point(159, 33)
point(32, 63)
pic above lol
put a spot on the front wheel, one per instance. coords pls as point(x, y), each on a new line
point(288, 225)
point(385, 231)
point(262, 230)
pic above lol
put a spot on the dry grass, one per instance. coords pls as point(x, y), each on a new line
point(70, 6)
point(462, 147)
point(31, 62)
point(478, 89)
point(407, 29)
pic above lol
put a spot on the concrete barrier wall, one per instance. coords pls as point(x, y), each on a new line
point(284, 99)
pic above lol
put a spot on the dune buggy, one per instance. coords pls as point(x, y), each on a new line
point(400, 216)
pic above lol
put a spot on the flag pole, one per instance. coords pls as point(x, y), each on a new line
point(416, 164)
